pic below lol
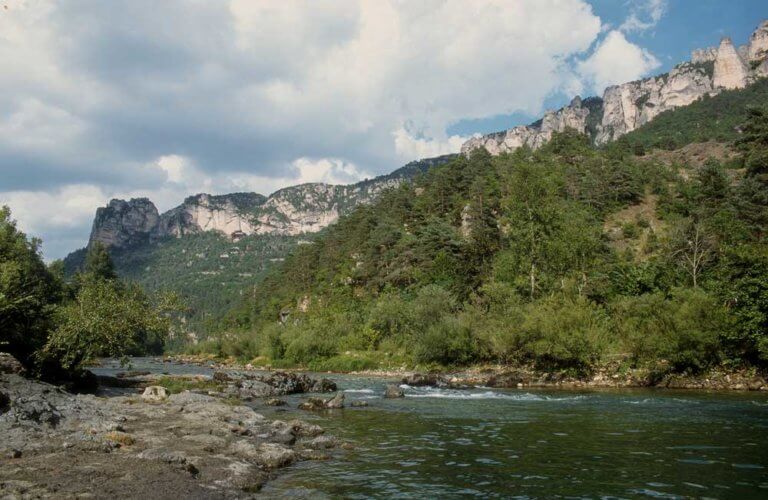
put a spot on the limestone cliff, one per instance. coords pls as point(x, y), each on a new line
point(625, 107)
point(227, 214)
point(306, 208)
point(731, 72)
point(124, 223)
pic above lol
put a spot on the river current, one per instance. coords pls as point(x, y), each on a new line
point(520, 443)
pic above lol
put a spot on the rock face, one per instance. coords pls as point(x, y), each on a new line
point(306, 208)
point(227, 214)
point(535, 135)
point(631, 105)
point(124, 223)
point(625, 107)
point(758, 43)
point(731, 72)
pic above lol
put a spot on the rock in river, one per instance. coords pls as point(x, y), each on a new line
point(393, 391)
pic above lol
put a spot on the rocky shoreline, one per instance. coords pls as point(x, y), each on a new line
point(191, 444)
point(500, 376)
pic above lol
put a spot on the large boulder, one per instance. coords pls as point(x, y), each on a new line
point(249, 389)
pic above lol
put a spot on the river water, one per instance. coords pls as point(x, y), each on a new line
point(440, 443)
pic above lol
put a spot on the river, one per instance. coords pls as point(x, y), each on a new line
point(441, 443)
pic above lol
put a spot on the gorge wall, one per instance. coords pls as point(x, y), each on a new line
point(306, 208)
point(625, 107)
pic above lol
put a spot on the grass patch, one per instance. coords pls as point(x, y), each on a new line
point(175, 385)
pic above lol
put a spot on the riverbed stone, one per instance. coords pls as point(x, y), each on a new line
point(275, 402)
point(155, 393)
point(393, 391)
point(274, 455)
point(322, 443)
point(335, 402)
point(9, 364)
point(312, 404)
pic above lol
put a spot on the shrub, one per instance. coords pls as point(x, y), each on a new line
point(564, 333)
point(682, 330)
point(447, 342)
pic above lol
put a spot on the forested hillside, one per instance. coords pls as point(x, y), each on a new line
point(210, 270)
point(568, 257)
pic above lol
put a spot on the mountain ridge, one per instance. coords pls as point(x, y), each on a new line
point(292, 210)
point(625, 107)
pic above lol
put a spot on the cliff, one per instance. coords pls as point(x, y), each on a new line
point(306, 208)
point(623, 108)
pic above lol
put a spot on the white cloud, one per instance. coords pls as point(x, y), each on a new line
point(616, 60)
point(411, 148)
point(644, 16)
point(257, 95)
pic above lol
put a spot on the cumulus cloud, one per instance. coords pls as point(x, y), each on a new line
point(616, 60)
point(644, 16)
point(164, 99)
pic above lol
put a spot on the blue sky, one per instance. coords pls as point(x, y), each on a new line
point(132, 98)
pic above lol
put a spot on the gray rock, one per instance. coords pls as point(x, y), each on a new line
point(419, 379)
point(155, 393)
point(393, 391)
point(335, 402)
point(275, 402)
point(188, 397)
point(250, 389)
point(312, 404)
point(273, 455)
point(9, 364)
point(358, 404)
point(322, 443)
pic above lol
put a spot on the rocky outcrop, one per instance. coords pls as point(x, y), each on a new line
point(535, 135)
point(124, 223)
point(731, 72)
point(701, 56)
point(758, 43)
point(625, 107)
point(306, 208)
point(631, 105)
point(189, 445)
point(204, 212)
point(248, 386)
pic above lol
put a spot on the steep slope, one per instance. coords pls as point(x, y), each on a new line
point(626, 107)
point(569, 257)
point(214, 249)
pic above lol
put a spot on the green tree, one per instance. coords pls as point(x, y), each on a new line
point(107, 318)
point(98, 262)
point(28, 292)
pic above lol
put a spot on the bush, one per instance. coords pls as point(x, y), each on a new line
point(447, 342)
point(106, 319)
point(307, 342)
point(682, 330)
point(564, 333)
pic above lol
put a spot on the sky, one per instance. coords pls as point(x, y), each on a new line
point(122, 99)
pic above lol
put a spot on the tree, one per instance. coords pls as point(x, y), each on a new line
point(107, 318)
point(692, 248)
point(98, 263)
point(743, 287)
point(28, 292)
